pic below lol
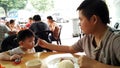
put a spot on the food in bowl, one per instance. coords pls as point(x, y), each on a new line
point(66, 64)
point(36, 63)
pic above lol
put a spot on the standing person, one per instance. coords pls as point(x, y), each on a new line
point(38, 27)
point(100, 43)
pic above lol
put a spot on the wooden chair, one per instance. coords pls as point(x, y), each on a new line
point(45, 36)
point(58, 40)
point(9, 43)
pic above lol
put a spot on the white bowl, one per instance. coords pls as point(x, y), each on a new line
point(36, 63)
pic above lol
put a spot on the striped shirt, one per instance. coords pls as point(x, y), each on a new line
point(107, 52)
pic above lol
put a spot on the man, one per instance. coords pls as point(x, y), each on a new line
point(100, 43)
point(39, 28)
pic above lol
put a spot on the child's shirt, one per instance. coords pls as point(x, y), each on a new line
point(18, 50)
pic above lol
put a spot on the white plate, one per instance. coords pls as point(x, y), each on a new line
point(53, 60)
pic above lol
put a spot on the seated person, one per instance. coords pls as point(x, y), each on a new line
point(9, 43)
point(4, 30)
point(100, 43)
point(26, 45)
point(39, 28)
point(53, 27)
point(30, 21)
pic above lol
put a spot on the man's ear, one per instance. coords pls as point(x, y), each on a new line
point(94, 19)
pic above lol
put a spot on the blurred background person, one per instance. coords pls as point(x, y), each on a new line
point(53, 27)
point(39, 28)
point(52, 24)
point(30, 21)
point(7, 24)
point(3, 29)
point(13, 26)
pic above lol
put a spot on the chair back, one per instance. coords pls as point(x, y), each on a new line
point(60, 26)
point(9, 43)
point(45, 36)
point(116, 25)
point(56, 34)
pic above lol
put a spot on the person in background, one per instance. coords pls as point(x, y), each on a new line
point(7, 24)
point(53, 27)
point(39, 28)
point(12, 25)
point(52, 24)
point(25, 39)
point(38, 25)
point(30, 21)
point(100, 43)
point(3, 29)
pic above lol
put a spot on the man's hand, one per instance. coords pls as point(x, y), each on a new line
point(86, 62)
point(42, 43)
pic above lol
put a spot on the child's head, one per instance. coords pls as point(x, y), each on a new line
point(26, 38)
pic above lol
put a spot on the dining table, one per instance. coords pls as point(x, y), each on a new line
point(31, 56)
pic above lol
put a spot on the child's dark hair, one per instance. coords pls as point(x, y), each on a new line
point(23, 34)
point(95, 7)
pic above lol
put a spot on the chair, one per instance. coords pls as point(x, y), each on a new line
point(9, 43)
point(58, 40)
point(45, 36)
point(116, 25)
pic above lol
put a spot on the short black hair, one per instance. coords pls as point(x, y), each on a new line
point(36, 18)
point(23, 34)
point(95, 7)
point(12, 21)
point(49, 17)
point(30, 18)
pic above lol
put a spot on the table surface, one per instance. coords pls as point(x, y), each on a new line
point(27, 57)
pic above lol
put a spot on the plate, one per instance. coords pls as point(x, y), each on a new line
point(53, 60)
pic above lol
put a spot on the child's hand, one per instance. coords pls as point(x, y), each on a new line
point(15, 56)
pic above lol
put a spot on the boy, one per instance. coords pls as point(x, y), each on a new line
point(26, 45)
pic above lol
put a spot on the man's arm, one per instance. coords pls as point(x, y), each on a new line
point(86, 62)
point(60, 48)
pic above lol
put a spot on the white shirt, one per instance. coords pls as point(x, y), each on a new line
point(18, 50)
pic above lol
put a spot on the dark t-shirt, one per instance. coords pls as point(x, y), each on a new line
point(38, 27)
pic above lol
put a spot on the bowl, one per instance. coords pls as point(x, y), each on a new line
point(36, 63)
